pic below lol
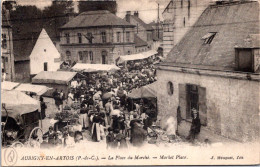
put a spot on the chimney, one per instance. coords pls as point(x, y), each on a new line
point(127, 16)
point(136, 14)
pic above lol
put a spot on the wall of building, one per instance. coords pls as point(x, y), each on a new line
point(113, 46)
point(232, 105)
point(141, 49)
point(7, 54)
point(179, 18)
point(22, 71)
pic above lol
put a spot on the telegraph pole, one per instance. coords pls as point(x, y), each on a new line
point(158, 21)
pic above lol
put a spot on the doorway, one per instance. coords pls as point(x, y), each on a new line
point(104, 57)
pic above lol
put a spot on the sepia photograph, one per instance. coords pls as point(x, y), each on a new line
point(130, 82)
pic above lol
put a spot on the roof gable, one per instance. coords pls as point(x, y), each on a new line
point(146, 26)
point(232, 22)
point(44, 47)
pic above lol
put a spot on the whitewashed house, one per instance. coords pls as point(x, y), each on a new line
point(44, 56)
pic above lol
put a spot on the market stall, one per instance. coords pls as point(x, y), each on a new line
point(20, 117)
point(31, 88)
point(138, 56)
point(80, 67)
point(148, 91)
point(7, 85)
point(54, 79)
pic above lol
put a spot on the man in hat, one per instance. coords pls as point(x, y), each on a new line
point(195, 125)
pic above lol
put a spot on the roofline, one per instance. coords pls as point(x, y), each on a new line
point(211, 72)
point(88, 27)
point(144, 24)
point(230, 3)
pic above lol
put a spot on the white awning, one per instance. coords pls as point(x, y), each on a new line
point(94, 67)
point(37, 89)
point(7, 85)
point(139, 56)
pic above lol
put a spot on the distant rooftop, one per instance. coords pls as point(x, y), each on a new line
point(98, 18)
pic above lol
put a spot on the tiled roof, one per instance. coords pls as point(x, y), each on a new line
point(96, 19)
point(232, 23)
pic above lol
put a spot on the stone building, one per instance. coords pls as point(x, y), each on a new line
point(179, 16)
point(97, 37)
point(215, 69)
point(7, 54)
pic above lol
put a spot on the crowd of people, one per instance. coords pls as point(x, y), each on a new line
point(104, 109)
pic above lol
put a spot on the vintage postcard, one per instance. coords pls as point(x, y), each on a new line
point(130, 82)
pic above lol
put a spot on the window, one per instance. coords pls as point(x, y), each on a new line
point(80, 56)
point(118, 36)
point(80, 37)
point(89, 37)
point(170, 88)
point(127, 36)
point(67, 36)
point(129, 52)
point(68, 56)
point(91, 56)
point(104, 57)
point(209, 37)
point(4, 41)
point(244, 60)
point(103, 37)
point(45, 66)
point(85, 56)
point(184, 22)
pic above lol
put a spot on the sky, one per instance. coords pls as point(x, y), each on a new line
point(148, 9)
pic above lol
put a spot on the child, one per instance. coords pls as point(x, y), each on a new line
point(121, 138)
point(110, 139)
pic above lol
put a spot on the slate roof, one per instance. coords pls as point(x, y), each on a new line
point(148, 27)
point(139, 42)
point(232, 22)
point(98, 18)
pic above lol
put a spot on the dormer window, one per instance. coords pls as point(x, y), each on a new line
point(244, 59)
point(208, 38)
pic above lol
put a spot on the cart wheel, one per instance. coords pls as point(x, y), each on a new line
point(17, 145)
point(36, 135)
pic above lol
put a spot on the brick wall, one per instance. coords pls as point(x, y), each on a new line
point(232, 104)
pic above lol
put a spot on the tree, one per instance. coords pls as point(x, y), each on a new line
point(97, 5)
point(56, 16)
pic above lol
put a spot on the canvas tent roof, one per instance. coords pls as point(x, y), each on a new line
point(232, 23)
point(57, 77)
point(7, 85)
point(145, 91)
point(94, 67)
point(18, 103)
point(138, 56)
point(38, 89)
